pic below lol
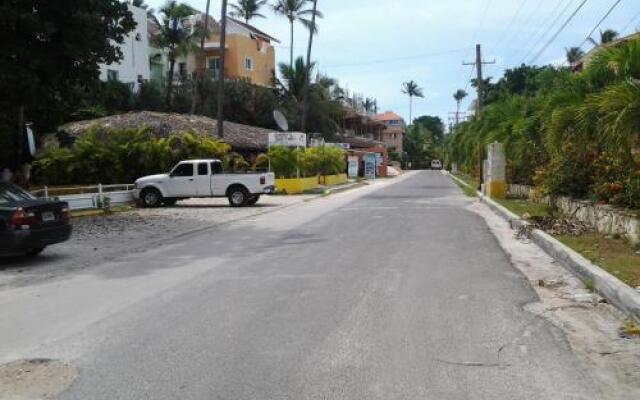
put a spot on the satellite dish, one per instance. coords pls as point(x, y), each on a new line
point(281, 120)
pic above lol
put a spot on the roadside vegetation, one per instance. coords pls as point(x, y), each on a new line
point(569, 134)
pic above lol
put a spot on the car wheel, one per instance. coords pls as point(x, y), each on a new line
point(238, 197)
point(253, 200)
point(151, 198)
point(35, 251)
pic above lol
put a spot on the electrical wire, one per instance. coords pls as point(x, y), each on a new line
point(635, 17)
point(546, 27)
point(555, 36)
point(386, 60)
point(508, 27)
point(600, 22)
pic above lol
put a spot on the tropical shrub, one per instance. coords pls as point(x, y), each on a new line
point(573, 134)
point(122, 156)
point(288, 162)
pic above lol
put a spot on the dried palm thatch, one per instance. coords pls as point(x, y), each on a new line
point(239, 137)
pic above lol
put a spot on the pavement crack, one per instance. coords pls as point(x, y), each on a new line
point(470, 363)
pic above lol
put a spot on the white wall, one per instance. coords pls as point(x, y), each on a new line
point(135, 52)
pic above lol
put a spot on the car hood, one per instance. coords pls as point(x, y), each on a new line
point(151, 178)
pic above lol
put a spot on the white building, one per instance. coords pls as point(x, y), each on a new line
point(133, 68)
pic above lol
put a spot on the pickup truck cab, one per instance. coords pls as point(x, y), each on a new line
point(203, 178)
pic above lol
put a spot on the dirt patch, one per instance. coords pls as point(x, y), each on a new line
point(35, 379)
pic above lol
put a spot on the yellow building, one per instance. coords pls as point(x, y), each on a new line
point(249, 53)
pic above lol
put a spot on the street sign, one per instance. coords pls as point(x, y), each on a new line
point(353, 164)
point(288, 139)
point(370, 166)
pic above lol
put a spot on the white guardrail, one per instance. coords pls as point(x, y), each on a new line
point(89, 197)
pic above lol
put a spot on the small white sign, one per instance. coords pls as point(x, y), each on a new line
point(288, 139)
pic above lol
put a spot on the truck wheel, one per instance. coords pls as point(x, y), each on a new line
point(169, 202)
point(238, 196)
point(151, 198)
point(253, 200)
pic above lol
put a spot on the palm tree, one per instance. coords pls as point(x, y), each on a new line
point(296, 10)
point(294, 77)
point(174, 39)
point(412, 90)
point(608, 36)
point(458, 96)
point(574, 54)
point(368, 104)
point(248, 9)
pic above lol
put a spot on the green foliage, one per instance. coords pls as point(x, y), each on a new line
point(121, 156)
point(419, 144)
point(50, 48)
point(570, 134)
point(313, 161)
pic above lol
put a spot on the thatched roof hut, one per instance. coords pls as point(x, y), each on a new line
point(241, 138)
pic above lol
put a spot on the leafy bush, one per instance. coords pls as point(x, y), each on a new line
point(312, 161)
point(122, 156)
point(571, 134)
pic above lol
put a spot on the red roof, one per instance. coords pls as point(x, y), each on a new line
point(388, 116)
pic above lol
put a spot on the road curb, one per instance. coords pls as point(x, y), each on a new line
point(622, 296)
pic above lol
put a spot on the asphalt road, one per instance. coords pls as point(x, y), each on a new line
point(390, 292)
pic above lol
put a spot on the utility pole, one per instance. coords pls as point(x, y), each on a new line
point(307, 69)
point(223, 44)
point(202, 61)
point(479, 63)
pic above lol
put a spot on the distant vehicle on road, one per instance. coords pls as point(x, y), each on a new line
point(203, 178)
point(29, 224)
point(436, 164)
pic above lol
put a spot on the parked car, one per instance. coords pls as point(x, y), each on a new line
point(436, 164)
point(203, 178)
point(29, 224)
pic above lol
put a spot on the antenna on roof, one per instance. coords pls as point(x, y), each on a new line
point(281, 120)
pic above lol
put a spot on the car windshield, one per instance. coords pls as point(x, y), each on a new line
point(10, 193)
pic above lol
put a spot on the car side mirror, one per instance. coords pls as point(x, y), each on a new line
point(171, 175)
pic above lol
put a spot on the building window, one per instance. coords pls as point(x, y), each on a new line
point(214, 66)
point(112, 75)
point(182, 69)
point(140, 79)
point(248, 64)
point(138, 37)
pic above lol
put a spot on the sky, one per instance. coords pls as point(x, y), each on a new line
point(373, 46)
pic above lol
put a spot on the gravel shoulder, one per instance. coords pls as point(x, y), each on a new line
point(101, 238)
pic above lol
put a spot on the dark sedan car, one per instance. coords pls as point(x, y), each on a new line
point(29, 224)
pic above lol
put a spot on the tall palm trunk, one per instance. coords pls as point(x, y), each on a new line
point(457, 112)
point(291, 46)
point(167, 100)
point(410, 110)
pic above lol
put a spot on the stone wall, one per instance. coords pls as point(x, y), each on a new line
point(602, 217)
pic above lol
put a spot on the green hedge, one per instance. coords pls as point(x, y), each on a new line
point(312, 161)
point(122, 156)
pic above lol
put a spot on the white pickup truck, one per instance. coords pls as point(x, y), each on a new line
point(203, 178)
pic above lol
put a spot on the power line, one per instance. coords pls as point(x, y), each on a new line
point(541, 26)
point(600, 22)
point(478, 28)
point(549, 28)
point(385, 60)
point(508, 27)
point(635, 17)
point(555, 36)
point(523, 24)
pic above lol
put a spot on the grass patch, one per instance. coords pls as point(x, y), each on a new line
point(99, 211)
point(631, 329)
point(616, 256)
point(468, 179)
point(468, 190)
point(522, 206)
